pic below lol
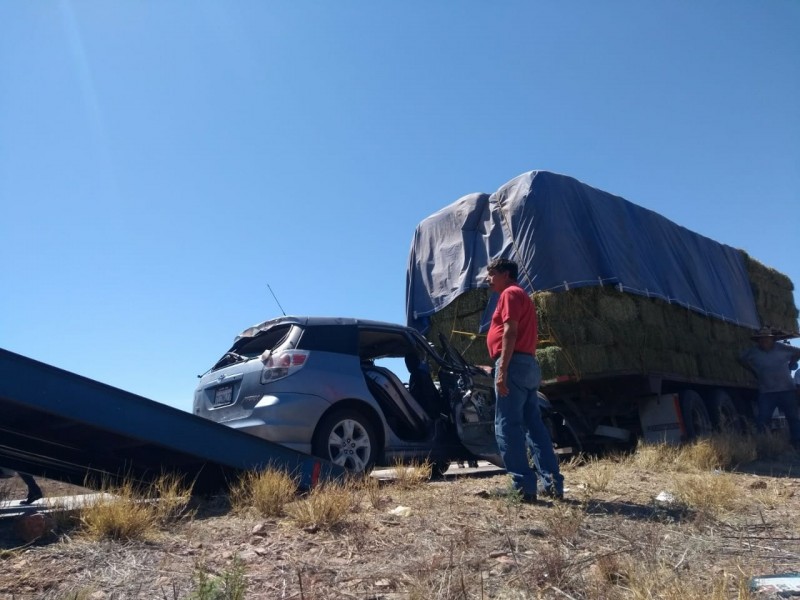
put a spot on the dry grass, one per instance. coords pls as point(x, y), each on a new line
point(121, 514)
point(597, 474)
point(563, 522)
point(636, 580)
point(5, 490)
point(720, 451)
point(173, 495)
point(129, 511)
point(325, 507)
point(412, 475)
point(711, 493)
point(653, 456)
point(772, 445)
point(267, 492)
point(371, 486)
point(455, 543)
point(771, 496)
point(734, 449)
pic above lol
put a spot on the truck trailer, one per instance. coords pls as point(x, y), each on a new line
point(641, 321)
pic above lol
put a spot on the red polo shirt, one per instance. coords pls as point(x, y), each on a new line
point(513, 305)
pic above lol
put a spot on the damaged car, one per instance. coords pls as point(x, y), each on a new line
point(330, 387)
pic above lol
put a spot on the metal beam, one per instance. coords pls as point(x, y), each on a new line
point(61, 425)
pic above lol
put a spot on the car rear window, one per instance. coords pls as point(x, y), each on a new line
point(264, 341)
point(245, 349)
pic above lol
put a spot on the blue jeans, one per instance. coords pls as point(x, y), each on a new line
point(787, 403)
point(518, 422)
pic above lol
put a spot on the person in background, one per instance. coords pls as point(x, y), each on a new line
point(770, 362)
point(511, 341)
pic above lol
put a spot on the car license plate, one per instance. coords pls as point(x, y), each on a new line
point(223, 395)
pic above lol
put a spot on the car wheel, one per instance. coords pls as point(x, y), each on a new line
point(346, 438)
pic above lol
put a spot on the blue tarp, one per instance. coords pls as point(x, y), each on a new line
point(565, 234)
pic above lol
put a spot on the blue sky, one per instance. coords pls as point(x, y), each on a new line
point(162, 162)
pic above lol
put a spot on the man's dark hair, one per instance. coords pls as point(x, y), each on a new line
point(503, 265)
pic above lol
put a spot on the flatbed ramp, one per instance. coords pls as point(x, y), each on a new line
point(60, 425)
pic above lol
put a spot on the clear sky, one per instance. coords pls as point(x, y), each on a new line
point(162, 162)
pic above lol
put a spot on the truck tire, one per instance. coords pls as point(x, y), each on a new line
point(346, 438)
point(723, 412)
point(696, 420)
point(566, 442)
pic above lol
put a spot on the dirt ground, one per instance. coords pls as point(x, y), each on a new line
point(610, 538)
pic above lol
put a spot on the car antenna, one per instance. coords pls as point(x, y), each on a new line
point(276, 300)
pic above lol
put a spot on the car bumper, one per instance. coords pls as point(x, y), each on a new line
point(287, 419)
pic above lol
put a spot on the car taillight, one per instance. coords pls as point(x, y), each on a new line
point(282, 364)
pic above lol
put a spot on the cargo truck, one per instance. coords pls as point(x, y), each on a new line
point(641, 320)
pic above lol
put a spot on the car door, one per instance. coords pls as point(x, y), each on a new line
point(472, 400)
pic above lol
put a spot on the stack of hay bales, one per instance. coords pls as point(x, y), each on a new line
point(459, 322)
point(773, 295)
point(599, 330)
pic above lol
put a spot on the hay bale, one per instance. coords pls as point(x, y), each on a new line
point(553, 361)
point(664, 338)
point(772, 292)
point(594, 329)
point(598, 333)
point(567, 332)
point(622, 357)
point(655, 359)
point(459, 322)
point(723, 332)
point(700, 325)
point(651, 311)
point(591, 359)
point(618, 307)
point(686, 364)
point(546, 303)
point(577, 304)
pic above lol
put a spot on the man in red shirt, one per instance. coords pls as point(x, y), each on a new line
point(511, 341)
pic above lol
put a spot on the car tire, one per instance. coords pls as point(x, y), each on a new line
point(346, 438)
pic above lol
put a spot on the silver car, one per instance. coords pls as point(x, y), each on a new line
point(324, 386)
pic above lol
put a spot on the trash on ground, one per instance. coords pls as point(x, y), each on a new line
point(665, 498)
point(401, 511)
point(785, 584)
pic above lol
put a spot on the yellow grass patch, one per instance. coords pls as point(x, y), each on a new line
point(129, 511)
point(714, 493)
point(414, 474)
point(325, 507)
point(267, 492)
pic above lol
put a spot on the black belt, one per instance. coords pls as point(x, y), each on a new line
point(533, 354)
